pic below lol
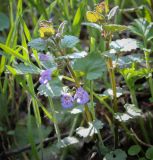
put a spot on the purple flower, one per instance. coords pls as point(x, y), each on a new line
point(81, 96)
point(67, 100)
point(43, 57)
point(45, 76)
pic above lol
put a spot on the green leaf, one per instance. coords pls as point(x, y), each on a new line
point(149, 153)
point(131, 75)
point(92, 65)
point(69, 41)
point(131, 112)
point(91, 130)
point(113, 12)
point(78, 109)
point(114, 28)
point(134, 150)
point(93, 25)
point(53, 88)
point(117, 154)
point(38, 44)
point(68, 141)
point(142, 28)
point(124, 45)
point(126, 61)
point(26, 69)
point(75, 55)
point(4, 22)
point(109, 92)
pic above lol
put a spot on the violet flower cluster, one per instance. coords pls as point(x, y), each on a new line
point(45, 76)
point(43, 57)
point(81, 97)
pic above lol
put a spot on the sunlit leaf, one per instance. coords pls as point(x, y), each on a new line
point(114, 28)
point(124, 45)
point(69, 41)
point(113, 12)
point(91, 130)
point(68, 141)
point(93, 25)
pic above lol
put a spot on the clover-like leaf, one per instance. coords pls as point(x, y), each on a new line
point(124, 45)
point(53, 88)
point(69, 41)
point(117, 154)
point(38, 44)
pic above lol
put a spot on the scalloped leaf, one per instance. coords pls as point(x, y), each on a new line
point(91, 130)
point(92, 65)
point(109, 92)
point(75, 55)
point(124, 45)
point(131, 112)
point(69, 41)
point(38, 44)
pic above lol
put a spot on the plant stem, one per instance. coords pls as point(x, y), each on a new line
point(133, 95)
point(115, 107)
point(150, 74)
point(87, 112)
point(55, 120)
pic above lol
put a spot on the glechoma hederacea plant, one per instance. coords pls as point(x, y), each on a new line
point(66, 76)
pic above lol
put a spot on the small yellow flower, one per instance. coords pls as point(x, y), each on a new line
point(93, 16)
point(46, 32)
point(100, 8)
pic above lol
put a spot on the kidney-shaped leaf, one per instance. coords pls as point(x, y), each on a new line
point(92, 65)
